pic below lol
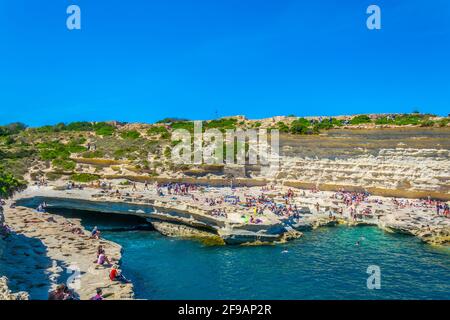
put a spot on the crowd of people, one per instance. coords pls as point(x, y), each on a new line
point(441, 208)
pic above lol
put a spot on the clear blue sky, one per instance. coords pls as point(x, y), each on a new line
point(143, 60)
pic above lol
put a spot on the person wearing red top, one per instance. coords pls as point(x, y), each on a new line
point(113, 273)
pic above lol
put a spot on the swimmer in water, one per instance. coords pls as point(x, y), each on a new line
point(284, 251)
point(357, 243)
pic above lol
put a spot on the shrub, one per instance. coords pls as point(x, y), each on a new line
point(427, 123)
point(104, 129)
point(66, 165)
point(49, 129)
point(79, 126)
point(188, 125)
point(408, 119)
point(93, 154)
point(75, 148)
point(360, 119)
point(12, 128)
point(444, 122)
point(167, 152)
point(51, 154)
point(52, 176)
point(155, 130)
point(300, 126)
point(84, 177)
point(384, 120)
point(171, 120)
point(282, 127)
point(221, 124)
point(131, 135)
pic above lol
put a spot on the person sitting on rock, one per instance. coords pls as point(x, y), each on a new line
point(98, 296)
point(95, 233)
point(116, 275)
point(101, 256)
point(58, 293)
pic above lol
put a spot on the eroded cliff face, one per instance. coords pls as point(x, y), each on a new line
point(412, 162)
point(391, 172)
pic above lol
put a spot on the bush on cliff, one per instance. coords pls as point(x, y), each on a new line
point(84, 177)
point(360, 119)
point(130, 135)
point(9, 184)
point(158, 130)
point(104, 129)
point(66, 165)
point(12, 128)
point(300, 126)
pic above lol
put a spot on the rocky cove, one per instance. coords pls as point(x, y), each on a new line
point(185, 220)
point(400, 170)
point(180, 216)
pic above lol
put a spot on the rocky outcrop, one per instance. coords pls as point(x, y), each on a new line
point(67, 245)
point(6, 294)
point(432, 230)
point(194, 225)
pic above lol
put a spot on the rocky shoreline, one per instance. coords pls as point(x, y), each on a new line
point(6, 294)
point(181, 217)
point(178, 216)
point(60, 254)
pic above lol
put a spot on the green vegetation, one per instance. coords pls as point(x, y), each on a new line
point(444, 122)
point(79, 126)
point(9, 184)
point(187, 125)
point(167, 152)
point(66, 165)
point(130, 135)
point(427, 123)
point(84, 177)
point(57, 150)
point(404, 119)
point(53, 150)
point(100, 128)
point(360, 119)
point(282, 127)
point(12, 128)
point(159, 130)
point(300, 126)
point(104, 129)
point(171, 120)
point(221, 124)
point(93, 154)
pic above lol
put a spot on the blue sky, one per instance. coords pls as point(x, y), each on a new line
point(143, 60)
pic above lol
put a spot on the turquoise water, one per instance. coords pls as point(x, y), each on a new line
point(324, 264)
